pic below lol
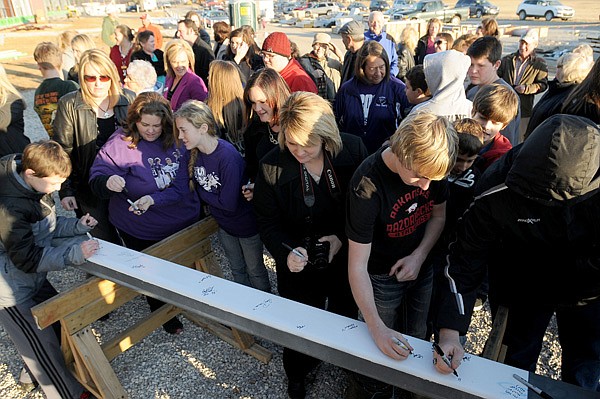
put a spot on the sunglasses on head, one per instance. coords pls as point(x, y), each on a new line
point(90, 79)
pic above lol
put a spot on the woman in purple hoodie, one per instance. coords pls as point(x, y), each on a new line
point(138, 160)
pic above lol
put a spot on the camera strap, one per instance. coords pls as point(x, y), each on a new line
point(330, 177)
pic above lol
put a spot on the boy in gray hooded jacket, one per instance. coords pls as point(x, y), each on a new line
point(34, 241)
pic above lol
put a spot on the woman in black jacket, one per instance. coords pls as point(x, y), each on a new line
point(426, 44)
point(299, 200)
point(84, 121)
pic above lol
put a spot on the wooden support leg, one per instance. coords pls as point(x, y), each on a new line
point(494, 350)
point(107, 385)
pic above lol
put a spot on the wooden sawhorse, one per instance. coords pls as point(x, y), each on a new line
point(494, 348)
point(79, 307)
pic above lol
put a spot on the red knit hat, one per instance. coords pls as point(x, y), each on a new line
point(278, 43)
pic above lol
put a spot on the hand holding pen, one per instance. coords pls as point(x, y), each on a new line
point(296, 260)
point(140, 206)
point(248, 190)
point(89, 247)
point(440, 353)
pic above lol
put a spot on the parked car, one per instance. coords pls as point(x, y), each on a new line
point(479, 8)
point(403, 5)
point(379, 5)
point(548, 9)
point(212, 16)
point(302, 6)
point(361, 7)
point(427, 9)
point(321, 8)
point(131, 7)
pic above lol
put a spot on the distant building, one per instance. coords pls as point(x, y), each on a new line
point(17, 12)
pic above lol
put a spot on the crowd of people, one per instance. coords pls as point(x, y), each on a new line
point(398, 183)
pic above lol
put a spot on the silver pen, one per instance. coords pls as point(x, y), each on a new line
point(133, 205)
point(293, 250)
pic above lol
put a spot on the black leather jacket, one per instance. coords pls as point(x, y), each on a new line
point(75, 129)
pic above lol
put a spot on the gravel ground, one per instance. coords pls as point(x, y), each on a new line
point(196, 364)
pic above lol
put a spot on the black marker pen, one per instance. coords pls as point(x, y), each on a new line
point(440, 352)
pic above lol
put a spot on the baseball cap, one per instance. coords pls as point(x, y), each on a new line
point(530, 37)
point(322, 38)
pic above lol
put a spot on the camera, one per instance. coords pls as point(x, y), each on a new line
point(318, 253)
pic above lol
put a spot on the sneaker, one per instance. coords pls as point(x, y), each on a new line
point(27, 387)
point(296, 390)
point(173, 326)
point(26, 382)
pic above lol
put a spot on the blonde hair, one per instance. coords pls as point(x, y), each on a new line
point(308, 119)
point(48, 56)
point(79, 44)
point(65, 38)
point(409, 37)
point(226, 99)
point(427, 144)
point(6, 87)
point(99, 60)
point(174, 47)
point(197, 113)
point(436, 21)
point(82, 42)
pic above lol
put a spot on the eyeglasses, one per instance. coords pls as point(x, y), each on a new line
point(92, 79)
point(267, 55)
point(438, 42)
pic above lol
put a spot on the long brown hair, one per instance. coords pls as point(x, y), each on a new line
point(275, 88)
point(226, 100)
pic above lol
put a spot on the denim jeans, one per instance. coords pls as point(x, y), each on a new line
point(402, 306)
point(246, 260)
point(578, 332)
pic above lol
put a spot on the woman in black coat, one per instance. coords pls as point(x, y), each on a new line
point(299, 200)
